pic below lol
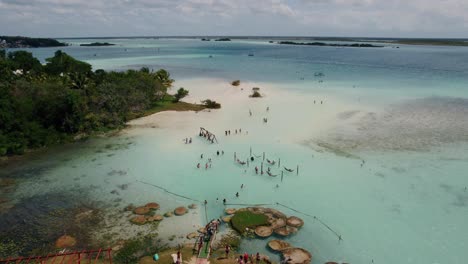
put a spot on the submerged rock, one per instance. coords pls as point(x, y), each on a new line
point(192, 206)
point(142, 210)
point(192, 235)
point(227, 219)
point(129, 207)
point(230, 211)
point(278, 245)
point(153, 206)
point(65, 242)
point(138, 220)
point(263, 231)
point(168, 214)
point(180, 211)
point(294, 221)
point(285, 231)
point(297, 256)
point(154, 218)
point(277, 223)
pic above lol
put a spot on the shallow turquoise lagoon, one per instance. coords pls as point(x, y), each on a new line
point(404, 204)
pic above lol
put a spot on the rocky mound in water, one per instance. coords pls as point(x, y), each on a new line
point(154, 218)
point(153, 206)
point(180, 211)
point(278, 245)
point(263, 220)
point(294, 221)
point(263, 231)
point(285, 231)
point(142, 210)
point(230, 211)
point(297, 256)
point(138, 220)
point(65, 242)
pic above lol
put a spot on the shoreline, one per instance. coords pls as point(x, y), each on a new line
point(181, 106)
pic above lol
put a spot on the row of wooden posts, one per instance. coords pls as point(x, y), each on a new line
point(261, 165)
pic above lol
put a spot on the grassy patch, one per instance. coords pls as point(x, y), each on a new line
point(246, 219)
point(168, 104)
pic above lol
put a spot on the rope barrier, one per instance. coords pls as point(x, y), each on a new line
point(164, 189)
point(244, 204)
point(315, 218)
point(249, 204)
point(206, 214)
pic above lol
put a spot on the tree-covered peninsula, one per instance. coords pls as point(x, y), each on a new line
point(41, 105)
point(25, 42)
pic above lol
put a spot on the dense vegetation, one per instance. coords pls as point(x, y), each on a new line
point(23, 42)
point(97, 44)
point(355, 45)
point(47, 104)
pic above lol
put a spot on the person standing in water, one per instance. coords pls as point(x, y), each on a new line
point(237, 194)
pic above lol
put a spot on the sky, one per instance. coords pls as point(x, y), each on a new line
point(354, 18)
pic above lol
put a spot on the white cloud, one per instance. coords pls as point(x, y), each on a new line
point(425, 18)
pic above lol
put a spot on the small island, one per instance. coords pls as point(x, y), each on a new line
point(323, 44)
point(25, 42)
point(205, 39)
point(223, 39)
point(97, 44)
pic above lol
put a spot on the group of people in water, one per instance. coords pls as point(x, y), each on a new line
point(188, 140)
point(236, 131)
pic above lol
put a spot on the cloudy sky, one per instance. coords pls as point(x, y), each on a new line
point(373, 18)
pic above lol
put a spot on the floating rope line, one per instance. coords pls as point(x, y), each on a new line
point(164, 189)
point(315, 218)
point(248, 204)
point(206, 214)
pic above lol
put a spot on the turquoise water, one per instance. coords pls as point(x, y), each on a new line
point(406, 204)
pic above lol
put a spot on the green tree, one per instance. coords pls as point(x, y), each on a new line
point(181, 93)
point(25, 61)
point(164, 78)
point(62, 63)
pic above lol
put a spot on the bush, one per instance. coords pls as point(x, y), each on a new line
point(211, 104)
point(236, 83)
point(255, 94)
point(181, 93)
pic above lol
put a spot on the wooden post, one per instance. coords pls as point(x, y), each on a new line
point(279, 162)
point(263, 156)
point(234, 156)
point(297, 170)
point(261, 170)
point(250, 151)
point(281, 176)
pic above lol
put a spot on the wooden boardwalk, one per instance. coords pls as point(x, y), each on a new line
point(205, 251)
